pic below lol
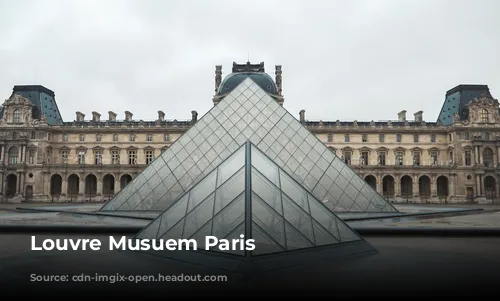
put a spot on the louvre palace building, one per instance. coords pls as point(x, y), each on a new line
point(454, 159)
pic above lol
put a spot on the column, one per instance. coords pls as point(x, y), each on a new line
point(18, 182)
point(81, 186)
point(23, 153)
point(117, 186)
point(474, 152)
point(478, 185)
point(64, 186)
point(498, 155)
point(99, 186)
point(433, 187)
point(397, 185)
point(2, 178)
point(415, 187)
point(1, 154)
point(452, 186)
point(380, 187)
point(479, 155)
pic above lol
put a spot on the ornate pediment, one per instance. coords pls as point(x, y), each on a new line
point(416, 150)
point(400, 149)
point(433, 150)
point(365, 149)
point(81, 149)
point(346, 149)
point(382, 150)
point(17, 100)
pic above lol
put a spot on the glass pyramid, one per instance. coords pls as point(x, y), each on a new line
point(248, 113)
point(250, 196)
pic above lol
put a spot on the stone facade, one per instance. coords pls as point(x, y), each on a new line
point(405, 160)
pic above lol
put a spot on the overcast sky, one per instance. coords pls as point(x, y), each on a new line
point(348, 60)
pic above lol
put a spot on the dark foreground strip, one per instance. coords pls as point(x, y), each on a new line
point(363, 231)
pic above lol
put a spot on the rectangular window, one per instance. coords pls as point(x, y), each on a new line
point(150, 156)
point(399, 158)
point(468, 158)
point(81, 157)
point(416, 159)
point(98, 157)
point(115, 157)
point(347, 158)
point(132, 157)
point(364, 158)
point(364, 138)
point(434, 158)
point(64, 156)
point(32, 156)
point(381, 159)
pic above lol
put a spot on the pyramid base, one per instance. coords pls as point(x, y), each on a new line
point(272, 262)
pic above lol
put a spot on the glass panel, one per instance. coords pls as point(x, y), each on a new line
point(199, 216)
point(263, 243)
point(298, 218)
point(323, 216)
point(229, 218)
point(235, 234)
point(230, 190)
point(264, 166)
point(295, 240)
point(269, 220)
point(173, 215)
point(175, 232)
point(151, 230)
point(293, 191)
point(202, 190)
point(322, 236)
point(346, 233)
point(231, 165)
point(266, 191)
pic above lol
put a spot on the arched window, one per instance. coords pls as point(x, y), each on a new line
point(16, 116)
point(330, 137)
point(398, 137)
point(484, 116)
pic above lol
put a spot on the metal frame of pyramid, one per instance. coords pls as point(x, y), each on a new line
point(249, 195)
point(249, 113)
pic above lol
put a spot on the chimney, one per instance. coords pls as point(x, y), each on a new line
point(80, 116)
point(112, 116)
point(278, 78)
point(402, 116)
point(218, 77)
point(419, 116)
point(194, 116)
point(302, 115)
point(161, 116)
point(96, 116)
point(128, 116)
